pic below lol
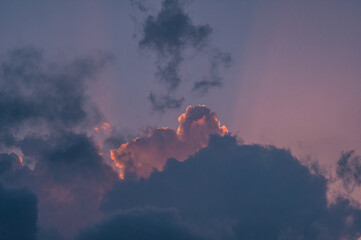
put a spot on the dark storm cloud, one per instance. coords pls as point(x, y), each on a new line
point(18, 214)
point(169, 34)
point(263, 191)
point(349, 170)
point(142, 224)
point(35, 92)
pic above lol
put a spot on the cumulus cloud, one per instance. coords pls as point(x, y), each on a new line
point(145, 223)
point(262, 192)
point(142, 155)
point(18, 214)
point(169, 34)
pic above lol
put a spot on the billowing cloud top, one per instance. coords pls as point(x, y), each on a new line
point(142, 155)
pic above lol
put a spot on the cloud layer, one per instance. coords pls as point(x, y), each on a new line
point(195, 182)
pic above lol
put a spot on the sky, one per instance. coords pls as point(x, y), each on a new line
point(180, 119)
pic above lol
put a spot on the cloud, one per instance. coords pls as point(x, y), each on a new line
point(263, 191)
point(8, 162)
point(142, 155)
point(35, 93)
point(70, 179)
point(18, 214)
point(169, 34)
point(13, 173)
point(162, 103)
point(145, 223)
point(46, 117)
point(349, 170)
point(197, 180)
point(218, 60)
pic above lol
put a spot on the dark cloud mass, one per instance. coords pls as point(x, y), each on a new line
point(46, 117)
point(257, 192)
point(18, 214)
point(169, 34)
point(71, 177)
point(196, 182)
point(142, 224)
point(34, 92)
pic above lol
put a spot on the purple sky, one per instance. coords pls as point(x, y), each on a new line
point(294, 81)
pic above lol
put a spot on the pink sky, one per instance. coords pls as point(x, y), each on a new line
point(301, 82)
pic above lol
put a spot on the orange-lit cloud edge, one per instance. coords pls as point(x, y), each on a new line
point(143, 155)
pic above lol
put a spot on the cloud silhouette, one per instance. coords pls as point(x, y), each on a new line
point(169, 34)
point(257, 192)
